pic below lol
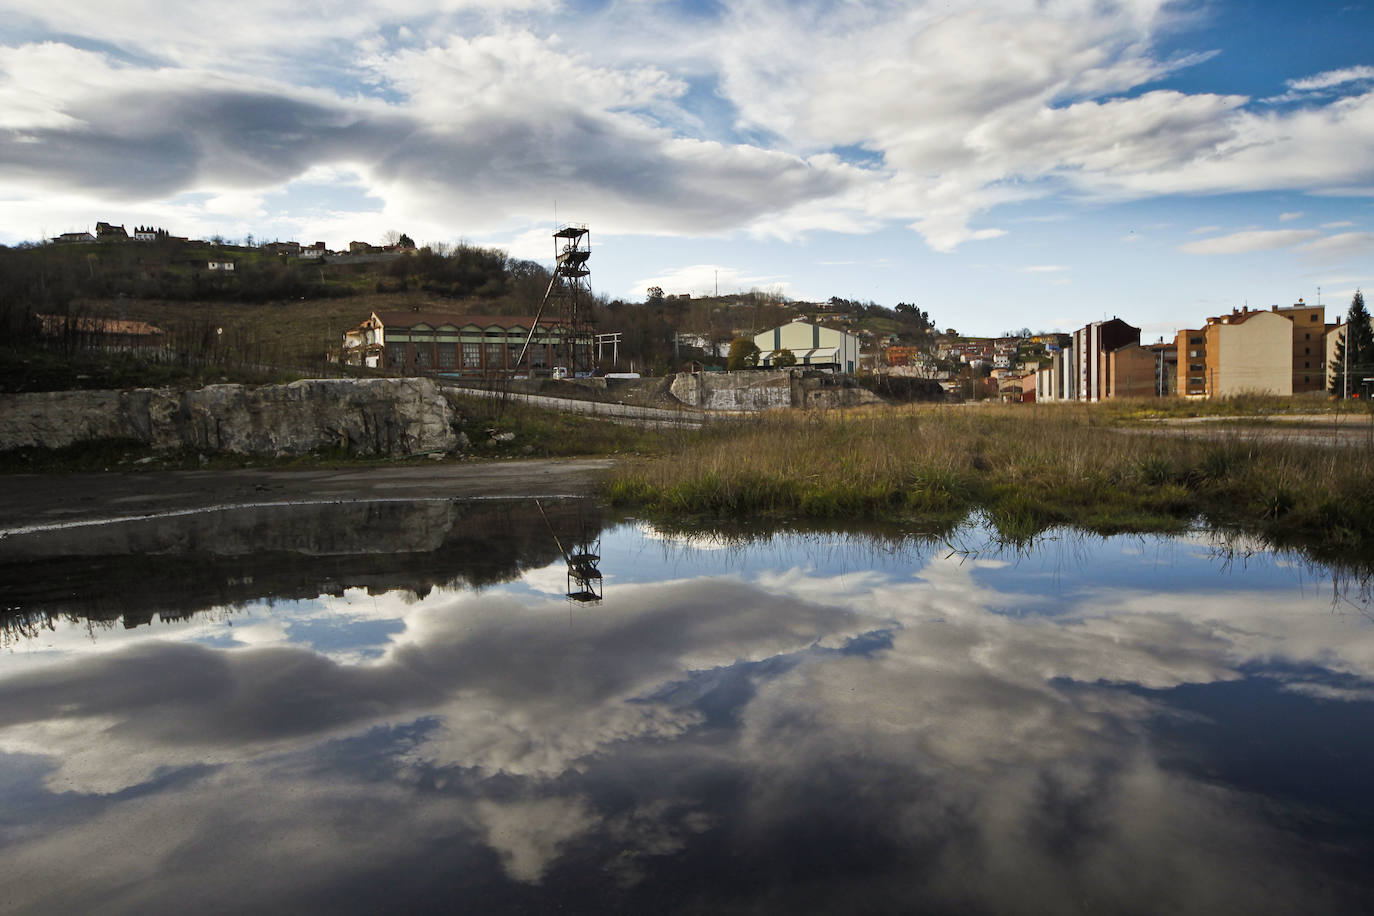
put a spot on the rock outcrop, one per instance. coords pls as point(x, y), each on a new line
point(362, 416)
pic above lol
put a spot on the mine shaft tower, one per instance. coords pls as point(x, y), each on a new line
point(569, 297)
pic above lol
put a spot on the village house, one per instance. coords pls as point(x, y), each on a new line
point(104, 232)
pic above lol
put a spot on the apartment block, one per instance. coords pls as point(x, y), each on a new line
point(1249, 353)
point(1309, 345)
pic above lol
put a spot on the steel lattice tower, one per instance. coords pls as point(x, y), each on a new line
point(572, 248)
point(571, 295)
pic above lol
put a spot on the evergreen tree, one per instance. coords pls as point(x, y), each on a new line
point(1359, 337)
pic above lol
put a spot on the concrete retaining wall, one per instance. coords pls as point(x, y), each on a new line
point(764, 390)
point(760, 390)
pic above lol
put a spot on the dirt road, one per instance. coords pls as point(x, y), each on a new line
point(1326, 430)
point(42, 500)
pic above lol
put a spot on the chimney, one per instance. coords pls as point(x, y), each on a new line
point(1274, 307)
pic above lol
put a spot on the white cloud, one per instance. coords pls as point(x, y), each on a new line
point(1341, 246)
point(702, 279)
point(1332, 78)
point(1044, 269)
point(1338, 224)
point(476, 117)
point(1254, 240)
point(527, 834)
point(1289, 217)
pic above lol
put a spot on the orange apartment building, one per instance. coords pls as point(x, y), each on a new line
point(1203, 371)
point(1140, 371)
point(1309, 345)
point(1192, 362)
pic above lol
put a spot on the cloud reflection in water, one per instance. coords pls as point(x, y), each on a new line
point(792, 726)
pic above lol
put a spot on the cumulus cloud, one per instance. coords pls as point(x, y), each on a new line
point(477, 116)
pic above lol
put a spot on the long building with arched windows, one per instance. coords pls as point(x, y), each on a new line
point(427, 342)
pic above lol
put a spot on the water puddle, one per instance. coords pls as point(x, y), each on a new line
point(511, 707)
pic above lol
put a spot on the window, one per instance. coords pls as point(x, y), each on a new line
point(1307, 337)
point(1307, 365)
point(472, 356)
point(424, 356)
point(1315, 316)
point(1306, 351)
point(396, 355)
point(1194, 340)
point(493, 356)
point(539, 356)
point(514, 351)
point(448, 356)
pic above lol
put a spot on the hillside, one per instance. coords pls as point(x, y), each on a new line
point(276, 308)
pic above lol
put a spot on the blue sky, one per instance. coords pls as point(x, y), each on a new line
point(1002, 164)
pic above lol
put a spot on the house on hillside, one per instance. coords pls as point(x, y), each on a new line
point(317, 250)
point(74, 238)
point(220, 264)
point(813, 345)
point(420, 342)
point(364, 345)
point(104, 232)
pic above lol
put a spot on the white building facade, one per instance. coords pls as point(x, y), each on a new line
point(811, 344)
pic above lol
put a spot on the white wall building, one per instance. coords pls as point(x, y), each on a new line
point(811, 344)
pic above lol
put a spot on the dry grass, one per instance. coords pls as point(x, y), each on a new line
point(1026, 467)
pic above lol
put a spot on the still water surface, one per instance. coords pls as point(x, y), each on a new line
point(395, 707)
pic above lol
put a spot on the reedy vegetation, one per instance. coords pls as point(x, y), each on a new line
point(1028, 468)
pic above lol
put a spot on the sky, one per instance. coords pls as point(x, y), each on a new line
point(1001, 164)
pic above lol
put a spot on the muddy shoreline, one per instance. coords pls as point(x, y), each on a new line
point(38, 500)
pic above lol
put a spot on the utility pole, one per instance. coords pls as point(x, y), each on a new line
point(1345, 351)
